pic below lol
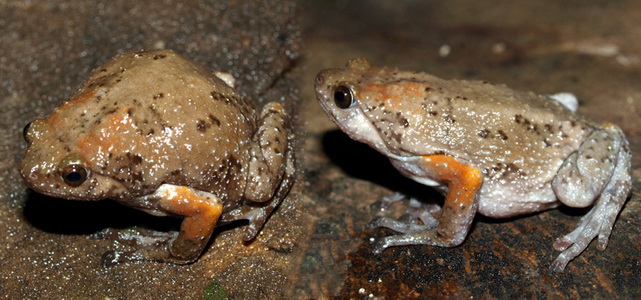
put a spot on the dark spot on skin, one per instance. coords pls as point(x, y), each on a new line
point(103, 70)
point(158, 96)
point(201, 125)
point(216, 96)
point(518, 119)
point(449, 119)
point(130, 111)
point(214, 120)
point(548, 128)
point(137, 176)
point(505, 171)
point(428, 89)
point(159, 56)
point(432, 113)
point(152, 109)
point(573, 123)
point(234, 163)
point(501, 135)
point(137, 159)
point(151, 132)
point(546, 143)
point(484, 133)
point(405, 123)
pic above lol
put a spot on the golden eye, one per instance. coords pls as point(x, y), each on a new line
point(344, 97)
point(74, 175)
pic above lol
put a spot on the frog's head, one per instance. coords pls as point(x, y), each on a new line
point(51, 166)
point(340, 93)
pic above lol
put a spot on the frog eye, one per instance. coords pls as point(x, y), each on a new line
point(344, 97)
point(74, 175)
point(25, 131)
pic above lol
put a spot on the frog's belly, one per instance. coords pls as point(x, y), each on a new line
point(502, 201)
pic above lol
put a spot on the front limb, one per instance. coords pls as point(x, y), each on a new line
point(453, 223)
point(201, 211)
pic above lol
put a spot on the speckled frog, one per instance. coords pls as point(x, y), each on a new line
point(490, 149)
point(155, 131)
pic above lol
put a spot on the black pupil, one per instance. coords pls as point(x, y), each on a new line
point(343, 97)
point(74, 177)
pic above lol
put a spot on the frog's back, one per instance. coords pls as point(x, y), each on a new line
point(184, 125)
point(507, 134)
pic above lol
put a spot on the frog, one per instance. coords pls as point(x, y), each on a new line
point(489, 149)
point(156, 131)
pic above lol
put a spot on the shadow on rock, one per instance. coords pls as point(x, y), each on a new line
point(63, 216)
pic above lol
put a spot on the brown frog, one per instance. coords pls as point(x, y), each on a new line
point(492, 150)
point(155, 131)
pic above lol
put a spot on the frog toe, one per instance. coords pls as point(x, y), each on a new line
point(135, 236)
point(425, 237)
point(387, 201)
point(111, 258)
point(379, 246)
point(409, 226)
point(252, 229)
point(114, 257)
point(559, 264)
